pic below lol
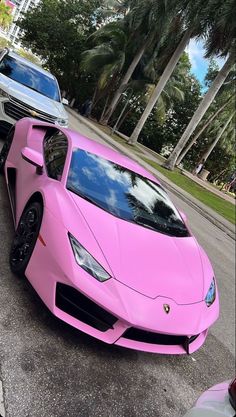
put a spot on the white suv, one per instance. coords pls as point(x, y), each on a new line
point(27, 90)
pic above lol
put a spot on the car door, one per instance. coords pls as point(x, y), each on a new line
point(55, 148)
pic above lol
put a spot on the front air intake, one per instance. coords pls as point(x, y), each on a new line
point(77, 305)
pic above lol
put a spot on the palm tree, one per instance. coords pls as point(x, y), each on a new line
point(189, 23)
point(147, 21)
point(173, 89)
point(220, 40)
point(112, 8)
point(200, 19)
point(142, 88)
point(204, 127)
point(5, 15)
point(161, 85)
point(107, 56)
point(199, 113)
point(228, 127)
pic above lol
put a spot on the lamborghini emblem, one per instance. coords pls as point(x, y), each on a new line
point(166, 308)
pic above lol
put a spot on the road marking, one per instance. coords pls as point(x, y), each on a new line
point(2, 408)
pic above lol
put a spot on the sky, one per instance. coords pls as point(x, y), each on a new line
point(196, 52)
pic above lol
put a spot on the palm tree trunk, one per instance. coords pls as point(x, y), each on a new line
point(123, 119)
point(201, 110)
point(161, 85)
point(124, 82)
point(208, 122)
point(104, 108)
point(206, 155)
point(95, 94)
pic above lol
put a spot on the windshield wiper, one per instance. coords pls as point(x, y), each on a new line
point(142, 221)
point(172, 229)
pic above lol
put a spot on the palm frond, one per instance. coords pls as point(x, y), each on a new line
point(96, 58)
point(160, 111)
point(110, 70)
point(112, 33)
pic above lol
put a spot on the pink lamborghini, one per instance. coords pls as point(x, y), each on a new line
point(102, 244)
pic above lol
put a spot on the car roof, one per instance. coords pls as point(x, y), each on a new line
point(81, 142)
point(30, 64)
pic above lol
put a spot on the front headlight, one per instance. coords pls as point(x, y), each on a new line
point(211, 295)
point(3, 93)
point(87, 262)
point(62, 122)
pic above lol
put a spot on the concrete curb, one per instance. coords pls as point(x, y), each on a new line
point(201, 208)
point(2, 408)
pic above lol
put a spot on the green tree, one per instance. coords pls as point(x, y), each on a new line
point(106, 57)
point(147, 21)
point(200, 19)
point(5, 15)
point(4, 43)
point(220, 40)
point(28, 55)
point(222, 102)
point(159, 134)
point(204, 127)
point(227, 129)
point(57, 31)
point(217, 141)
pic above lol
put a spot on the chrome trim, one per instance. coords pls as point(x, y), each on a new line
point(17, 109)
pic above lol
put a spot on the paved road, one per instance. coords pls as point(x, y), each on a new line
point(51, 370)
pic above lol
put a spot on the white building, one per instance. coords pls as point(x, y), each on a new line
point(14, 31)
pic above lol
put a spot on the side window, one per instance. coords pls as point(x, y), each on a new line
point(55, 151)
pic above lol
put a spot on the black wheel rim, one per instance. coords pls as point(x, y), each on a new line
point(25, 237)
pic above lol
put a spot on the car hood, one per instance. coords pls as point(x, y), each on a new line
point(149, 262)
point(32, 98)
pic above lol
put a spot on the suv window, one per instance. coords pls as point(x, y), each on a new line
point(55, 151)
point(29, 77)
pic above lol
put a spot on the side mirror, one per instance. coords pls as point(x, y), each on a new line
point(184, 217)
point(34, 158)
point(65, 101)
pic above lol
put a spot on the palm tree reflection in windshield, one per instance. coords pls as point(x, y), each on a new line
point(123, 193)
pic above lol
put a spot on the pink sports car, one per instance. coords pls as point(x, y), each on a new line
point(102, 244)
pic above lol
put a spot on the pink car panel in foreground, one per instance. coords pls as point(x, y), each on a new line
point(122, 267)
point(215, 402)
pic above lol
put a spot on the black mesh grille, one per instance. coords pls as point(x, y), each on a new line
point(82, 308)
point(17, 110)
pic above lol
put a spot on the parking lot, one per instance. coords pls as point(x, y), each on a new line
point(51, 370)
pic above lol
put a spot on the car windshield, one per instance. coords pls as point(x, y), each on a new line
point(30, 77)
point(123, 193)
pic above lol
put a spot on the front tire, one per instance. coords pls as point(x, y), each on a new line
point(25, 238)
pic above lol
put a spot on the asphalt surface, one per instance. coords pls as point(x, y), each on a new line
point(49, 369)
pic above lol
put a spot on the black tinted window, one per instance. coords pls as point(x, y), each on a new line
point(55, 151)
point(30, 77)
point(123, 193)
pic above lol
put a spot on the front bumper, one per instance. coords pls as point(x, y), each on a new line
point(81, 312)
point(6, 122)
point(111, 309)
point(12, 110)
